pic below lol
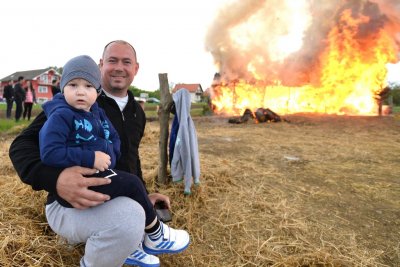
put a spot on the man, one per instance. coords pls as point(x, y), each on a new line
point(19, 97)
point(110, 235)
point(55, 87)
point(8, 94)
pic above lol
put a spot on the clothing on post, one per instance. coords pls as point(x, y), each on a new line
point(185, 163)
point(172, 137)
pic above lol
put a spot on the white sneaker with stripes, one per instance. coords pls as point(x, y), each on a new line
point(142, 259)
point(171, 241)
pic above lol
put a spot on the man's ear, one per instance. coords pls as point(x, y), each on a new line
point(136, 68)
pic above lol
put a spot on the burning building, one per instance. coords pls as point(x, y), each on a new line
point(296, 56)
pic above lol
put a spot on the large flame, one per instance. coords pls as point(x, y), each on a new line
point(342, 74)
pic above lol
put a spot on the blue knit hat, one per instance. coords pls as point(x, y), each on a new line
point(82, 67)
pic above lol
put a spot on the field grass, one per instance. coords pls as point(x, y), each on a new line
point(150, 110)
point(12, 127)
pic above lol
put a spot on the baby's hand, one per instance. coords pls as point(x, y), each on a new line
point(101, 161)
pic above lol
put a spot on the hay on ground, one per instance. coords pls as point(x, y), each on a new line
point(318, 191)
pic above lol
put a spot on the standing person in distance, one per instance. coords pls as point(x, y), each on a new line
point(8, 94)
point(30, 99)
point(19, 97)
point(55, 87)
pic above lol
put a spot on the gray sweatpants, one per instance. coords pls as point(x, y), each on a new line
point(111, 231)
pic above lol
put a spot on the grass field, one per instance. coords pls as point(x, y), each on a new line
point(150, 110)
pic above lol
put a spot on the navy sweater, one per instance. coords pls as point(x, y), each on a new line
point(70, 136)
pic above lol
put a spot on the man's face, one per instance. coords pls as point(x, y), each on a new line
point(118, 68)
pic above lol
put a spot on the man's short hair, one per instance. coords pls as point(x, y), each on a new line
point(121, 42)
point(20, 78)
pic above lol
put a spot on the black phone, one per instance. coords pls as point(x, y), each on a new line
point(163, 212)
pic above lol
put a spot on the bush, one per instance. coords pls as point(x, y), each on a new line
point(395, 93)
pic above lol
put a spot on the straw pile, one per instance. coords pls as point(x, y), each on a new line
point(318, 191)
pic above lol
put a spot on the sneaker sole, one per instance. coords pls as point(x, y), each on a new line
point(140, 264)
point(163, 251)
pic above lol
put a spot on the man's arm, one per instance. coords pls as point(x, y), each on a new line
point(25, 156)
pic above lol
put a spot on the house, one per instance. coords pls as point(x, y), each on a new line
point(41, 80)
point(195, 90)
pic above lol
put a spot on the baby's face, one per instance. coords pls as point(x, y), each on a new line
point(80, 94)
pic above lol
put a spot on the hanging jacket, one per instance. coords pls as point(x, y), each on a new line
point(185, 163)
point(173, 135)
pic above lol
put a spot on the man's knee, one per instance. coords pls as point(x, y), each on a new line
point(123, 231)
point(130, 212)
point(131, 221)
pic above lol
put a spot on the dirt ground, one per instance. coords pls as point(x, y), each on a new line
point(314, 191)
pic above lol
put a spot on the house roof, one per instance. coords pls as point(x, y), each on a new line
point(191, 87)
point(28, 74)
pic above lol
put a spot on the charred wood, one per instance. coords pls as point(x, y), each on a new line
point(245, 117)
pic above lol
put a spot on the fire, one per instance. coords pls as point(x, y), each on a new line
point(349, 72)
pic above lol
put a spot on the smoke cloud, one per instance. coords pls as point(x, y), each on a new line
point(282, 40)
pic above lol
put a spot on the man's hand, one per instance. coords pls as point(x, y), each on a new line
point(155, 197)
point(72, 186)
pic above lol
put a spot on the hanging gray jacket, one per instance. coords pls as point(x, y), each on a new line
point(185, 162)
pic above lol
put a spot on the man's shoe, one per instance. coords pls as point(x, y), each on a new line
point(142, 259)
point(171, 241)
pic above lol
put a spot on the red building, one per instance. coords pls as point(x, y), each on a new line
point(41, 81)
point(195, 90)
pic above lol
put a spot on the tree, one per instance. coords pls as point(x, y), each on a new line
point(155, 94)
point(58, 69)
point(136, 92)
point(395, 93)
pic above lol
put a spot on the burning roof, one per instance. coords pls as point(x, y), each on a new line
point(303, 55)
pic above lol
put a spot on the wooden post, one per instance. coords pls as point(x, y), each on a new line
point(163, 115)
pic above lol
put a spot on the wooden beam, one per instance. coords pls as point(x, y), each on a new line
point(163, 115)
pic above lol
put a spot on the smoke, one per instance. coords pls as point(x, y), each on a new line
point(282, 40)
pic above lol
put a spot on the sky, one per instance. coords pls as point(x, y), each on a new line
point(167, 35)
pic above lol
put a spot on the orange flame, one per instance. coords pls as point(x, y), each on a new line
point(352, 73)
